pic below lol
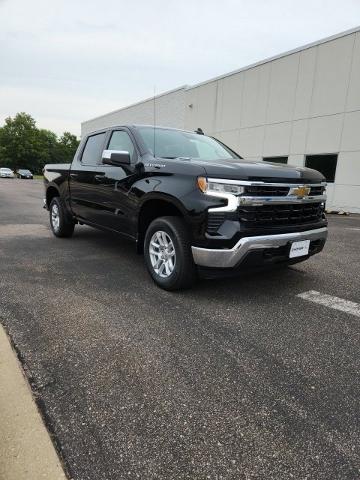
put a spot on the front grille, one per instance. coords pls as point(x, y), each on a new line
point(277, 215)
point(266, 191)
point(317, 190)
point(276, 191)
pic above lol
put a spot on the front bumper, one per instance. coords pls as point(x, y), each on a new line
point(232, 257)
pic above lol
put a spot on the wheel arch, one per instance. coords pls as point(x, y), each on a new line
point(155, 206)
point(51, 192)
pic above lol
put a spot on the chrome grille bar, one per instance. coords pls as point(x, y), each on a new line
point(249, 200)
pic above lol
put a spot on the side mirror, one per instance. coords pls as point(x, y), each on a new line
point(115, 157)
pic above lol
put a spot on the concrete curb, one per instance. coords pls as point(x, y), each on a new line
point(336, 212)
point(26, 450)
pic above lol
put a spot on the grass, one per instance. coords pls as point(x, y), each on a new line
point(38, 177)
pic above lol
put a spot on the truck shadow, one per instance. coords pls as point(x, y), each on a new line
point(271, 282)
point(120, 254)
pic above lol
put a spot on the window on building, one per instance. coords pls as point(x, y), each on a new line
point(276, 159)
point(93, 149)
point(325, 164)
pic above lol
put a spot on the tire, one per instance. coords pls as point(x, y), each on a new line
point(169, 271)
point(61, 223)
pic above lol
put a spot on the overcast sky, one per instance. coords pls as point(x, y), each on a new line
point(66, 61)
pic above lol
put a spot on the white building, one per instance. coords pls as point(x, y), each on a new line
point(301, 107)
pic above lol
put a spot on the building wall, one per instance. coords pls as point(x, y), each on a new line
point(307, 102)
point(303, 102)
point(169, 111)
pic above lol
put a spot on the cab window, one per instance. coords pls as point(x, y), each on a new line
point(93, 149)
point(120, 140)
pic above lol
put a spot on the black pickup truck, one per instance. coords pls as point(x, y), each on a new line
point(191, 204)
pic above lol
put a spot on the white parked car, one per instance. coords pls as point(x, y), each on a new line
point(6, 173)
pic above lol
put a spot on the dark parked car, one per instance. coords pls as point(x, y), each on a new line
point(191, 204)
point(24, 173)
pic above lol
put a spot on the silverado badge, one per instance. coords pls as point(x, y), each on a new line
point(300, 191)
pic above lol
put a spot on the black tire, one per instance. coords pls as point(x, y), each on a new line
point(65, 225)
point(183, 274)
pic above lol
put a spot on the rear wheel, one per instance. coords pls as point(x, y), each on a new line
point(62, 225)
point(167, 252)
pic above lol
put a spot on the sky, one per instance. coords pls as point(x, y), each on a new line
point(66, 61)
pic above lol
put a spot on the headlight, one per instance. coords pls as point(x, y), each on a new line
point(210, 186)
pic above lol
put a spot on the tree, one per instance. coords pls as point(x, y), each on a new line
point(23, 145)
point(17, 140)
point(68, 144)
point(46, 144)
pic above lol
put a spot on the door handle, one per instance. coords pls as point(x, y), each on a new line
point(99, 178)
point(74, 175)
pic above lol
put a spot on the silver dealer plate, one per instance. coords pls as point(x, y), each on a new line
point(299, 249)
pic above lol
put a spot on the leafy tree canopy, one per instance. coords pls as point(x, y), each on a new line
point(23, 145)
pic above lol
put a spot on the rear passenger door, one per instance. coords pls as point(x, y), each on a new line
point(85, 201)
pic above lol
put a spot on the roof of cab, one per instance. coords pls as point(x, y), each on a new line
point(135, 126)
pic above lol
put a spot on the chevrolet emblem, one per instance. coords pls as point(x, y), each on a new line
point(300, 191)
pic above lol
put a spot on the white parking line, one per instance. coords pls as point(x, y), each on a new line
point(332, 302)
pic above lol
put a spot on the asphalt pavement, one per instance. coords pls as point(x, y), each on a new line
point(235, 379)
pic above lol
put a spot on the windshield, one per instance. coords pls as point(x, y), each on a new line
point(176, 143)
point(5, 169)
point(24, 171)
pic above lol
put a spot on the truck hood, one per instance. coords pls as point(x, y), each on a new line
point(260, 171)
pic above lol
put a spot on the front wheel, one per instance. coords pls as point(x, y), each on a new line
point(167, 252)
point(62, 225)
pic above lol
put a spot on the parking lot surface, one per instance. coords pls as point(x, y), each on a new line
point(249, 378)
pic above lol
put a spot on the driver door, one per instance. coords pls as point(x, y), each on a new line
point(113, 183)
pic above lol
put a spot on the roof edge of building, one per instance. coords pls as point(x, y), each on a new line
point(234, 72)
point(280, 55)
point(174, 90)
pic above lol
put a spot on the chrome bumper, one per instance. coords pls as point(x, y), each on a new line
point(228, 258)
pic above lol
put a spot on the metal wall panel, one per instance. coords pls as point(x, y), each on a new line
point(303, 102)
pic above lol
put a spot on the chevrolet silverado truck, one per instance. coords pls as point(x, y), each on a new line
point(191, 204)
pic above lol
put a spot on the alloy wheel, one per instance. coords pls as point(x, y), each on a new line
point(162, 254)
point(55, 217)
